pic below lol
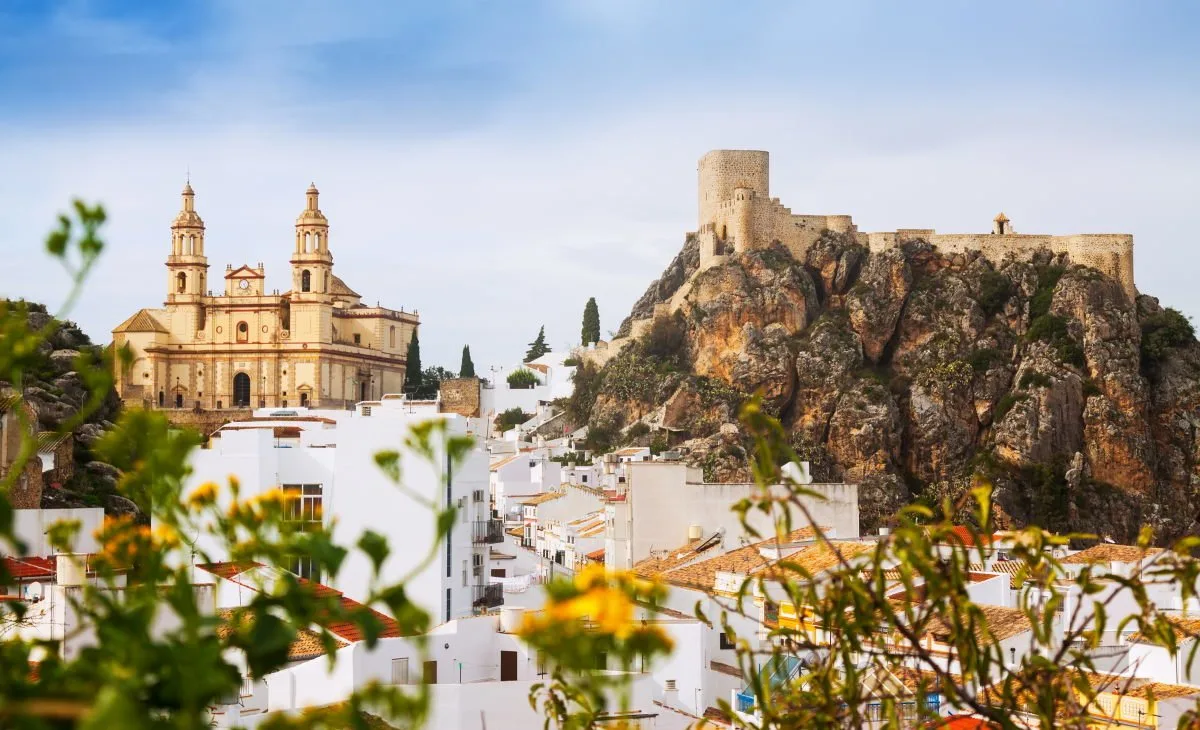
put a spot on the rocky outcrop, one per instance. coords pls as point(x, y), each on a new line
point(57, 391)
point(917, 374)
point(660, 291)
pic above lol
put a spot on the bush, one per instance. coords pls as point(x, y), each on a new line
point(1035, 380)
point(571, 362)
point(510, 418)
point(666, 340)
point(1005, 404)
point(637, 430)
point(588, 380)
point(994, 292)
point(1090, 388)
point(1163, 333)
point(1052, 329)
point(523, 379)
point(981, 360)
point(1048, 277)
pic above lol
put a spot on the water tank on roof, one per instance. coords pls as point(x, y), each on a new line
point(695, 532)
point(69, 570)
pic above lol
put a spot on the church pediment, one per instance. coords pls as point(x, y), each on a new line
point(244, 272)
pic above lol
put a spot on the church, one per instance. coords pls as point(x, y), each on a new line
point(316, 345)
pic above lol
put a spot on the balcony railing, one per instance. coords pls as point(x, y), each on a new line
point(487, 532)
point(488, 596)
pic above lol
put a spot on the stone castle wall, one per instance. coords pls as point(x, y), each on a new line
point(461, 396)
point(1109, 253)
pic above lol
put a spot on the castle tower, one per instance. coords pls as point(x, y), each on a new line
point(312, 264)
point(722, 171)
point(187, 266)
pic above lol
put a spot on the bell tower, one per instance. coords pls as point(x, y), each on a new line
point(187, 266)
point(312, 264)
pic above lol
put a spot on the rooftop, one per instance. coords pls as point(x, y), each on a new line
point(1109, 553)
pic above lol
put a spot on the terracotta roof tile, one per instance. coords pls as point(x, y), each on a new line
point(306, 645)
point(1004, 623)
point(596, 555)
point(743, 560)
point(30, 567)
point(141, 321)
point(1185, 629)
point(1106, 553)
point(543, 497)
point(228, 570)
point(1135, 688)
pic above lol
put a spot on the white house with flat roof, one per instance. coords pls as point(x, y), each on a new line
point(326, 459)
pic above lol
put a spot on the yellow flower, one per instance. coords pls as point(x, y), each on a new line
point(165, 536)
point(203, 495)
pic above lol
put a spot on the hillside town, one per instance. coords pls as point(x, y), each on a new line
point(599, 366)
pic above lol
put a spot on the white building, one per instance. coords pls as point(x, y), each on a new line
point(326, 459)
point(667, 504)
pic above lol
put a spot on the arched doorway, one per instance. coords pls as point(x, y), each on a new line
point(179, 400)
point(162, 397)
point(363, 388)
point(241, 390)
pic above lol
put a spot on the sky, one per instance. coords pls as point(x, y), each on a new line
point(494, 164)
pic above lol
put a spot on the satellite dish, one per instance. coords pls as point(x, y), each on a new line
point(34, 592)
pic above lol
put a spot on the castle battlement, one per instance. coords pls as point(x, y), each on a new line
point(737, 213)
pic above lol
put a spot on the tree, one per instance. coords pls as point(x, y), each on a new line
point(538, 347)
point(431, 382)
point(412, 369)
point(467, 368)
point(591, 322)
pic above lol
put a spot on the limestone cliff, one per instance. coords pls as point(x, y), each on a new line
point(913, 372)
point(56, 391)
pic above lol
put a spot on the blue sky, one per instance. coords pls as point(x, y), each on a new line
point(494, 164)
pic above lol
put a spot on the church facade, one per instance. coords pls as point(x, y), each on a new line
point(316, 345)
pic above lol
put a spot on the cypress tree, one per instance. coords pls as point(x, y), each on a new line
point(412, 370)
point(467, 368)
point(538, 347)
point(591, 322)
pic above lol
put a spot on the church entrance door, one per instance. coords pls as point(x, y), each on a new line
point(241, 390)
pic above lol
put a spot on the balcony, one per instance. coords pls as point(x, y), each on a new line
point(487, 532)
point(485, 597)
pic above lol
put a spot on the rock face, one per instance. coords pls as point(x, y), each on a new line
point(56, 391)
point(914, 373)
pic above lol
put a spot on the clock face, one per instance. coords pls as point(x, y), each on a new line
point(243, 284)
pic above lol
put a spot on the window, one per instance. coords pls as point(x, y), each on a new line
point(304, 509)
point(464, 574)
point(305, 280)
point(392, 336)
point(303, 400)
point(726, 643)
point(243, 332)
point(583, 478)
point(179, 400)
point(400, 671)
point(478, 494)
point(476, 560)
point(181, 282)
point(358, 339)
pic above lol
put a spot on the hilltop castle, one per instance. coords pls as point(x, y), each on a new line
point(737, 213)
point(316, 345)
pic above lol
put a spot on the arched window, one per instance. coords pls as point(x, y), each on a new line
point(392, 336)
point(162, 397)
point(243, 332)
point(307, 242)
point(305, 280)
point(181, 282)
point(241, 390)
point(304, 400)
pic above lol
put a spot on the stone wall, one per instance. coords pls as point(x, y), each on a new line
point(1109, 253)
point(461, 396)
point(207, 421)
point(720, 171)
